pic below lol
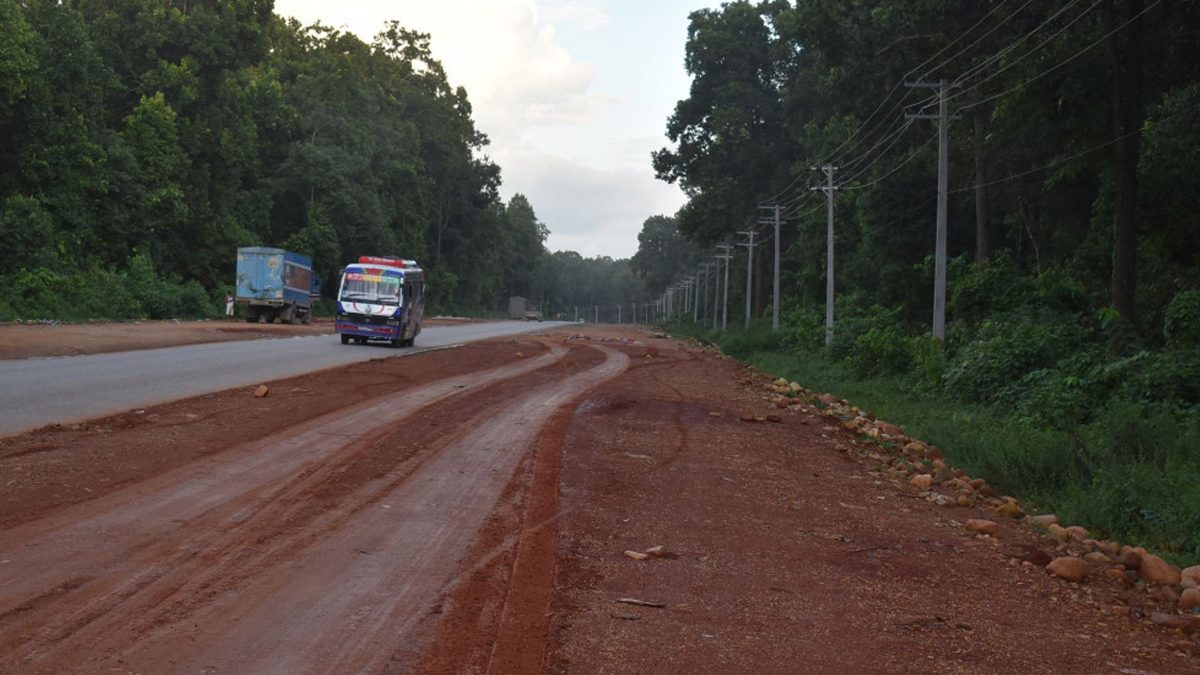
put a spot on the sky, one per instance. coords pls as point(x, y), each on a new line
point(573, 94)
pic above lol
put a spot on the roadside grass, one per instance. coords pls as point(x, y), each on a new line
point(1127, 475)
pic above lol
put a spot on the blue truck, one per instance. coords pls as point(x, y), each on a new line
point(381, 299)
point(275, 284)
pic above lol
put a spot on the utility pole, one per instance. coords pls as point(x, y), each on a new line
point(749, 268)
point(829, 294)
point(775, 290)
point(939, 278)
point(717, 290)
point(726, 255)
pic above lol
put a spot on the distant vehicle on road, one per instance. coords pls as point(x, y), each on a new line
point(381, 299)
point(522, 308)
point(275, 284)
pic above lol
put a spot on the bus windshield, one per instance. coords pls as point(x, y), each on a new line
point(370, 289)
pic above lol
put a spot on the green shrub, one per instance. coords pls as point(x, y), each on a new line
point(742, 343)
point(882, 350)
point(804, 330)
point(1004, 351)
point(1181, 321)
point(929, 359)
point(988, 289)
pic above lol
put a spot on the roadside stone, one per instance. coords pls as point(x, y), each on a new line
point(1034, 556)
point(1189, 600)
point(943, 500)
point(1011, 510)
point(1097, 558)
point(262, 391)
point(944, 475)
point(982, 526)
point(1130, 559)
point(921, 481)
point(1185, 624)
point(965, 500)
point(1068, 568)
point(1165, 594)
point(1045, 520)
point(1155, 570)
point(1077, 532)
point(774, 418)
point(747, 417)
point(1192, 573)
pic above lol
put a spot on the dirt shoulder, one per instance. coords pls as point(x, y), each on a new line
point(789, 543)
point(34, 340)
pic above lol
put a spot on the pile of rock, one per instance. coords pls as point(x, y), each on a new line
point(923, 468)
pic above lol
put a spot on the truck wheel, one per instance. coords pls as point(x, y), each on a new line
point(288, 314)
point(345, 339)
point(271, 316)
point(306, 317)
point(251, 317)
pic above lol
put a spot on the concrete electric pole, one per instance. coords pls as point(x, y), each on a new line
point(939, 278)
point(829, 295)
point(749, 244)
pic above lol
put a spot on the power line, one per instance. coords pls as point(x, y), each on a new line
point(1061, 63)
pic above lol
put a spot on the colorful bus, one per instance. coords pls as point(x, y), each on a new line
point(381, 299)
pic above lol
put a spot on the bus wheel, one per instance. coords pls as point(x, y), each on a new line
point(345, 339)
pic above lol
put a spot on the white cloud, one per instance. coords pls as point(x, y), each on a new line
point(588, 18)
point(594, 211)
point(578, 149)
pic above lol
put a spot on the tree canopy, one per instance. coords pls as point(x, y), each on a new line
point(157, 136)
point(1069, 123)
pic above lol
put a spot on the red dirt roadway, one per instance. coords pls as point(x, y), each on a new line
point(308, 570)
point(469, 511)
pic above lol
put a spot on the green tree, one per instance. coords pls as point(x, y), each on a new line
point(663, 255)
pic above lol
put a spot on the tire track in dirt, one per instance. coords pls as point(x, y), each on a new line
point(341, 624)
point(500, 620)
point(212, 498)
point(197, 531)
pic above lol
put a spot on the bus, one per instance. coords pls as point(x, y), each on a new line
point(381, 299)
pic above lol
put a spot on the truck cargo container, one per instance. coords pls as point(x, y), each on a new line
point(522, 308)
point(275, 284)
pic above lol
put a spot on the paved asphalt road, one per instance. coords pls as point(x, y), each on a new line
point(37, 392)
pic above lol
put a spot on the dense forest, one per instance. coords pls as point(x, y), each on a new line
point(1069, 365)
point(143, 141)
